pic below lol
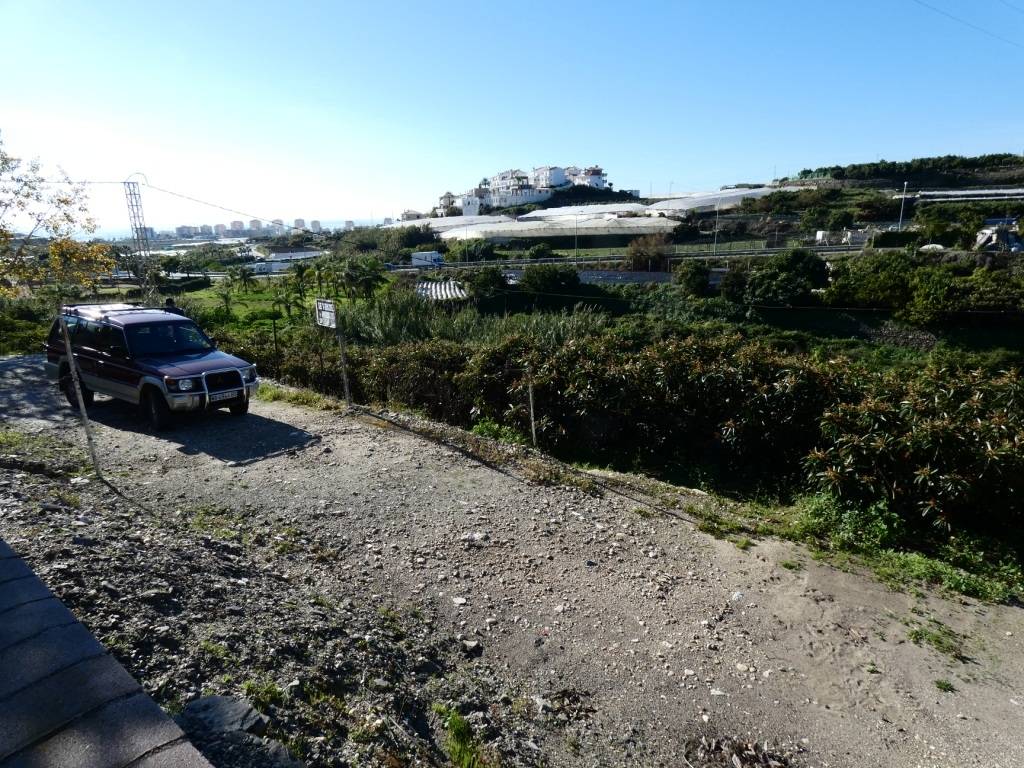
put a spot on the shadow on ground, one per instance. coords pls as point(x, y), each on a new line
point(29, 402)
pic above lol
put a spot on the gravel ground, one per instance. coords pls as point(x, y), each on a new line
point(358, 582)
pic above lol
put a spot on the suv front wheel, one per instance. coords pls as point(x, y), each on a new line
point(155, 409)
point(67, 386)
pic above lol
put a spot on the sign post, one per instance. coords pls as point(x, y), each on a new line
point(327, 316)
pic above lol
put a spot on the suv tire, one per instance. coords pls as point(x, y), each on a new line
point(155, 409)
point(67, 386)
point(240, 409)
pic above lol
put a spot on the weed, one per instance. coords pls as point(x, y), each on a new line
point(67, 498)
point(271, 393)
point(871, 669)
point(462, 747)
point(742, 543)
point(938, 636)
point(216, 522)
point(500, 432)
point(287, 540)
point(263, 693)
point(792, 565)
point(945, 686)
point(217, 651)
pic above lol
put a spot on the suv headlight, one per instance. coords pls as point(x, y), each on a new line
point(249, 374)
point(181, 385)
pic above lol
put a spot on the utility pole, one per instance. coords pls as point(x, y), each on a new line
point(140, 235)
point(715, 252)
point(576, 240)
point(903, 201)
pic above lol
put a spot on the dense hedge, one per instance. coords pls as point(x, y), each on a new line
point(942, 445)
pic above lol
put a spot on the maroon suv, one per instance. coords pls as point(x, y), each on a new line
point(153, 358)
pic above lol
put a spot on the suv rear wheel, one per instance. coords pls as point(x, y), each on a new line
point(240, 409)
point(155, 409)
point(67, 386)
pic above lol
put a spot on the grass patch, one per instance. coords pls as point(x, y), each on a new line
point(271, 393)
point(263, 693)
point(217, 651)
point(25, 450)
point(940, 637)
point(792, 565)
point(462, 747)
point(902, 569)
point(500, 432)
point(945, 686)
point(217, 522)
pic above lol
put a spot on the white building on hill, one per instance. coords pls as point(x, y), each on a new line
point(515, 187)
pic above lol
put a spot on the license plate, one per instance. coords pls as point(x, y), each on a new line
point(214, 397)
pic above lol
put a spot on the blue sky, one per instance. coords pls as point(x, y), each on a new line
point(350, 110)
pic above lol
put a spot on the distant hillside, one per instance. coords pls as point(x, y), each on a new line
point(945, 171)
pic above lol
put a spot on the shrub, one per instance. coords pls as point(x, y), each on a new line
point(548, 278)
point(945, 446)
point(693, 277)
point(540, 251)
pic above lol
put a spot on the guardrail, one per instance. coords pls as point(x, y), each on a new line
point(584, 260)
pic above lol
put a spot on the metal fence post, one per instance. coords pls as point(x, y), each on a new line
point(344, 366)
point(533, 422)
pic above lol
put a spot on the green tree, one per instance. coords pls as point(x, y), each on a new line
point(283, 295)
point(470, 250)
point(46, 216)
point(839, 220)
point(485, 281)
point(540, 251)
point(693, 276)
point(648, 253)
point(734, 282)
point(549, 278)
point(786, 279)
point(170, 263)
point(300, 273)
point(226, 295)
point(246, 279)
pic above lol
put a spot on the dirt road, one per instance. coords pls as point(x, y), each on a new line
point(571, 628)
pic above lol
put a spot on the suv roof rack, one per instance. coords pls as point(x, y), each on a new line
point(108, 309)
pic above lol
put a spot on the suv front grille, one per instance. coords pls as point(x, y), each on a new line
point(218, 382)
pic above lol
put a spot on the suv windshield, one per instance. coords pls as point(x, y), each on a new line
point(166, 339)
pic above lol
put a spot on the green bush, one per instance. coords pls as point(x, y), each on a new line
point(943, 446)
point(693, 277)
point(849, 527)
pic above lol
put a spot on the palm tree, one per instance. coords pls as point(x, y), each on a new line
point(283, 296)
point(370, 277)
point(226, 296)
point(246, 278)
point(232, 280)
point(320, 271)
point(299, 271)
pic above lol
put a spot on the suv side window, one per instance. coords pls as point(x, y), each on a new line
point(111, 340)
point(88, 335)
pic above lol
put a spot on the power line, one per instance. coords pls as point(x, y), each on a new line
point(970, 24)
point(1016, 8)
point(186, 197)
point(226, 209)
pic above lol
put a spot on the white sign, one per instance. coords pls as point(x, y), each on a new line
point(325, 314)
